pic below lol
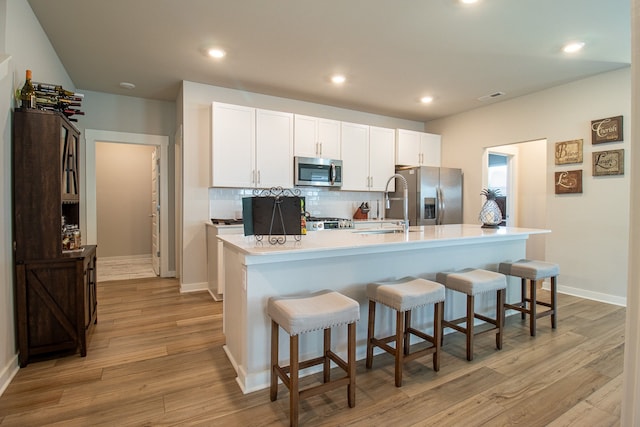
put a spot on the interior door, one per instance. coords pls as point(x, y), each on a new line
point(155, 211)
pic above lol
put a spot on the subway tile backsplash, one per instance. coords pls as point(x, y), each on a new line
point(227, 202)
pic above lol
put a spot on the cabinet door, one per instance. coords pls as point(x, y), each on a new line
point(329, 138)
point(430, 149)
point(316, 137)
point(305, 136)
point(407, 147)
point(381, 164)
point(233, 146)
point(274, 149)
point(355, 157)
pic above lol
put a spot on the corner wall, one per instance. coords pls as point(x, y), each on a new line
point(590, 231)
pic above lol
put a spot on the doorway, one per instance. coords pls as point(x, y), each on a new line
point(526, 192)
point(92, 137)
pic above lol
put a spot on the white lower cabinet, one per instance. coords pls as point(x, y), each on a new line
point(250, 147)
point(367, 157)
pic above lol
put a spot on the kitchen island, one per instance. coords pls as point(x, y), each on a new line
point(346, 261)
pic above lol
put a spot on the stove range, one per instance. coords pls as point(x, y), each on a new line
point(321, 223)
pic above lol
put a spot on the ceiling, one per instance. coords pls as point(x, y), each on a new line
point(392, 52)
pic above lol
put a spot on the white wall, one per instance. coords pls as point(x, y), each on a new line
point(196, 102)
point(589, 236)
point(123, 194)
point(28, 46)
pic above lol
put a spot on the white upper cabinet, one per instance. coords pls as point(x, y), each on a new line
point(316, 137)
point(417, 148)
point(381, 157)
point(251, 147)
point(233, 145)
point(367, 157)
point(274, 149)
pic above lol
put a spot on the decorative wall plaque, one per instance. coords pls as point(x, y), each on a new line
point(609, 162)
point(569, 152)
point(606, 130)
point(568, 182)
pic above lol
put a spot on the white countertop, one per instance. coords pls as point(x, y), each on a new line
point(350, 242)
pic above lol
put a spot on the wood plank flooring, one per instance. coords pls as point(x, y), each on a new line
point(156, 359)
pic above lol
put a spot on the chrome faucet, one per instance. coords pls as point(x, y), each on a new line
point(405, 199)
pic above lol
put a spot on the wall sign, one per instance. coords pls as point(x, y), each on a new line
point(568, 182)
point(608, 162)
point(569, 152)
point(606, 130)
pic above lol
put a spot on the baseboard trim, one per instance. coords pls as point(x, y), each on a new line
point(193, 287)
point(595, 296)
point(8, 372)
point(125, 257)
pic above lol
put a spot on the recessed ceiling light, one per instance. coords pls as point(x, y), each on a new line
point(426, 99)
point(338, 79)
point(127, 85)
point(216, 53)
point(468, 1)
point(573, 47)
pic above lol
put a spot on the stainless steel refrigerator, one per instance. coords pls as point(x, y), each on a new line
point(435, 196)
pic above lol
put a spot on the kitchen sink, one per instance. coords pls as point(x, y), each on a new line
point(378, 231)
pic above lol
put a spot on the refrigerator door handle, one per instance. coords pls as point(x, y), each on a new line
point(441, 206)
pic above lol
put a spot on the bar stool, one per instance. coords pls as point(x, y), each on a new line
point(404, 295)
point(472, 282)
point(300, 314)
point(533, 271)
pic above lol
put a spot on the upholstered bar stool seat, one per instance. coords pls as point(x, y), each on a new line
point(403, 296)
point(473, 282)
point(296, 315)
point(533, 271)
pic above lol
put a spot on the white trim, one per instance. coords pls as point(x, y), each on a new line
point(8, 373)
point(93, 136)
point(194, 287)
point(125, 257)
point(595, 296)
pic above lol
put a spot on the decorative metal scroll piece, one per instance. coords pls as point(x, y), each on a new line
point(278, 193)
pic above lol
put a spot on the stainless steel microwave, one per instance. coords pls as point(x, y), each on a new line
point(317, 172)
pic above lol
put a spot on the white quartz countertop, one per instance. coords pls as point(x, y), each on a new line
point(330, 243)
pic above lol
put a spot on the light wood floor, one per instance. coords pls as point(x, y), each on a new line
point(156, 359)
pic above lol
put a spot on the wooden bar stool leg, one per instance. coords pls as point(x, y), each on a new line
point(407, 335)
point(532, 307)
point(326, 366)
point(294, 393)
point(554, 302)
point(523, 297)
point(500, 318)
point(274, 361)
point(399, 352)
point(437, 334)
point(370, 333)
point(351, 357)
point(469, 328)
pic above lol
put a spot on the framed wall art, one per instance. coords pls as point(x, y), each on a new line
point(606, 130)
point(567, 182)
point(569, 152)
point(609, 162)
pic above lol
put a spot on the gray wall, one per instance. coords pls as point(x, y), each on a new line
point(135, 115)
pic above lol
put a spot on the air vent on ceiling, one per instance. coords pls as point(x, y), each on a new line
point(491, 96)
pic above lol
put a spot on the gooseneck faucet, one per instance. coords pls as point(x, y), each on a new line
point(405, 198)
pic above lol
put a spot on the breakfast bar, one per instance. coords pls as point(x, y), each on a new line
point(345, 261)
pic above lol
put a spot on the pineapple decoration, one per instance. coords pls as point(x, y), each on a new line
point(490, 215)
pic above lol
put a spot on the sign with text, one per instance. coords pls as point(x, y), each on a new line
point(606, 130)
point(568, 182)
point(608, 162)
point(569, 152)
